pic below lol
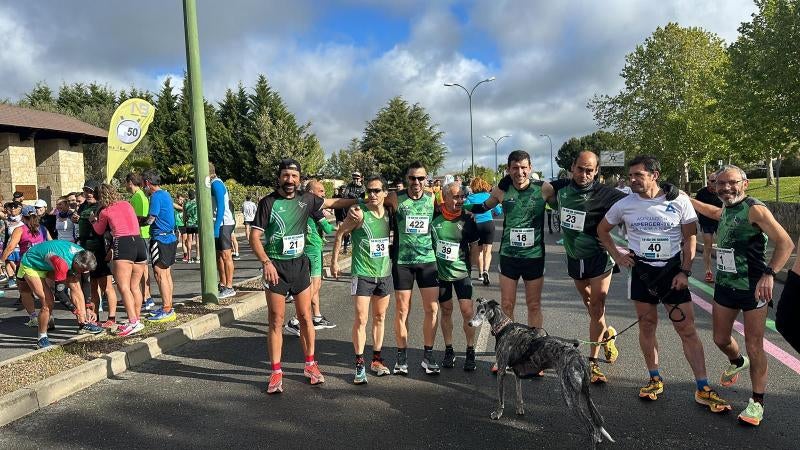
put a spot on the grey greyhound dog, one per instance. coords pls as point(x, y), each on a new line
point(527, 350)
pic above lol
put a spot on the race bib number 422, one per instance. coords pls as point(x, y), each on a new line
point(294, 244)
point(522, 237)
point(417, 224)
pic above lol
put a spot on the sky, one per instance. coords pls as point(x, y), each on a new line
point(336, 63)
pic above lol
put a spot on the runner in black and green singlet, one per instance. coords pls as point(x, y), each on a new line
point(453, 230)
point(282, 216)
point(744, 279)
point(371, 284)
point(315, 241)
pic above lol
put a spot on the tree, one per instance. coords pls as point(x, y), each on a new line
point(597, 142)
point(400, 134)
point(762, 101)
point(480, 172)
point(183, 173)
point(669, 106)
point(345, 161)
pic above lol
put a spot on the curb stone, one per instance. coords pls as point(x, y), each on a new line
point(29, 399)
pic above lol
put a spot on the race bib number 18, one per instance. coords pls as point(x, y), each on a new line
point(522, 237)
point(417, 224)
point(656, 248)
point(294, 244)
point(726, 261)
point(572, 219)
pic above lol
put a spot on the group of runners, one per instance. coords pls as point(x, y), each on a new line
point(404, 237)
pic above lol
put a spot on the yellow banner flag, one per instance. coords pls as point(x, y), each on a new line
point(128, 127)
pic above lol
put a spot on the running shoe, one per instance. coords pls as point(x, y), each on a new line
point(709, 277)
point(596, 375)
point(163, 316)
point(731, 374)
point(89, 328)
point(321, 323)
point(753, 414)
point(449, 360)
point(292, 327)
point(378, 368)
point(361, 375)
point(431, 367)
point(148, 304)
point(109, 324)
point(654, 387)
point(469, 361)
point(227, 292)
point(128, 329)
point(33, 321)
point(236, 257)
point(12, 283)
point(154, 312)
point(275, 383)
point(485, 278)
point(494, 369)
point(610, 347)
point(312, 372)
point(710, 398)
point(44, 342)
point(289, 298)
point(186, 259)
point(401, 365)
point(3, 279)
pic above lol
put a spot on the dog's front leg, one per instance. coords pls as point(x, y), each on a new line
point(520, 403)
point(498, 413)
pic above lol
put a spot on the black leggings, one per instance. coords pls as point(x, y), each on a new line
point(787, 316)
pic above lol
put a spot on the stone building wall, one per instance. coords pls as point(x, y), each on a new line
point(17, 164)
point(59, 166)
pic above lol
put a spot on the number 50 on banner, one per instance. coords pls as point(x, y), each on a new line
point(127, 128)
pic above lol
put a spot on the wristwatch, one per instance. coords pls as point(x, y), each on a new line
point(686, 272)
point(769, 271)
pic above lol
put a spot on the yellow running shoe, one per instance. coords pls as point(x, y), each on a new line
point(710, 398)
point(596, 376)
point(610, 346)
point(654, 387)
point(753, 414)
point(731, 374)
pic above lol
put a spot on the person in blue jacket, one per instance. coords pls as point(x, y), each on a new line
point(481, 251)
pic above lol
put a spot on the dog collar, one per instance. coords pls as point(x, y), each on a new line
point(498, 327)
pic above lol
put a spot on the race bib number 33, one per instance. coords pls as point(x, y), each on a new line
point(378, 248)
point(294, 244)
point(522, 237)
point(417, 224)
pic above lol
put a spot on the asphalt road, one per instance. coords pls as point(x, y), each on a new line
point(209, 393)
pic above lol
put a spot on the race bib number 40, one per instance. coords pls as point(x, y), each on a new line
point(726, 261)
point(294, 244)
point(656, 248)
point(378, 248)
point(447, 251)
point(522, 237)
point(417, 224)
point(572, 219)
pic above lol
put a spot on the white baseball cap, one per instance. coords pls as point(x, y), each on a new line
point(40, 204)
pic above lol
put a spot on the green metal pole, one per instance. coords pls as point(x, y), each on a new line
point(208, 274)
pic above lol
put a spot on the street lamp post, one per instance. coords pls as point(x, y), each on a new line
point(469, 94)
point(496, 141)
point(551, 155)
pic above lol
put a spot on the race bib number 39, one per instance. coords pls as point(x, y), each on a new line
point(378, 248)
point(417, 224)
point(572, 219)
point(726, 260)
point(656, 248)
point(522, 237)
point(294, 244)
point(447, 251)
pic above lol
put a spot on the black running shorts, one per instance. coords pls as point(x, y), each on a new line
point(738, 298)
point(161, 254)
point(463, 288)
point(404, 275)
point(130, 248)
point(485, 232)
point(224, 241)
point(294, 276)
point(526, 268)
point(368, 287)
point(592, 267)
point(640, 292)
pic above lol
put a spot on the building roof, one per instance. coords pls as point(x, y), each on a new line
point(48, 125)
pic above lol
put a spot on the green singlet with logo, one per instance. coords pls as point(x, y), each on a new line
point(371, 245)
point(523, 222)
point(581, 209)
point(413, 220)
point(741, 247)
point(450, 241)
point(286, 231)
point(315, 238)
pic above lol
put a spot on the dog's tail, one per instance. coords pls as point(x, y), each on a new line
point(575, 381)
point(596, 417)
